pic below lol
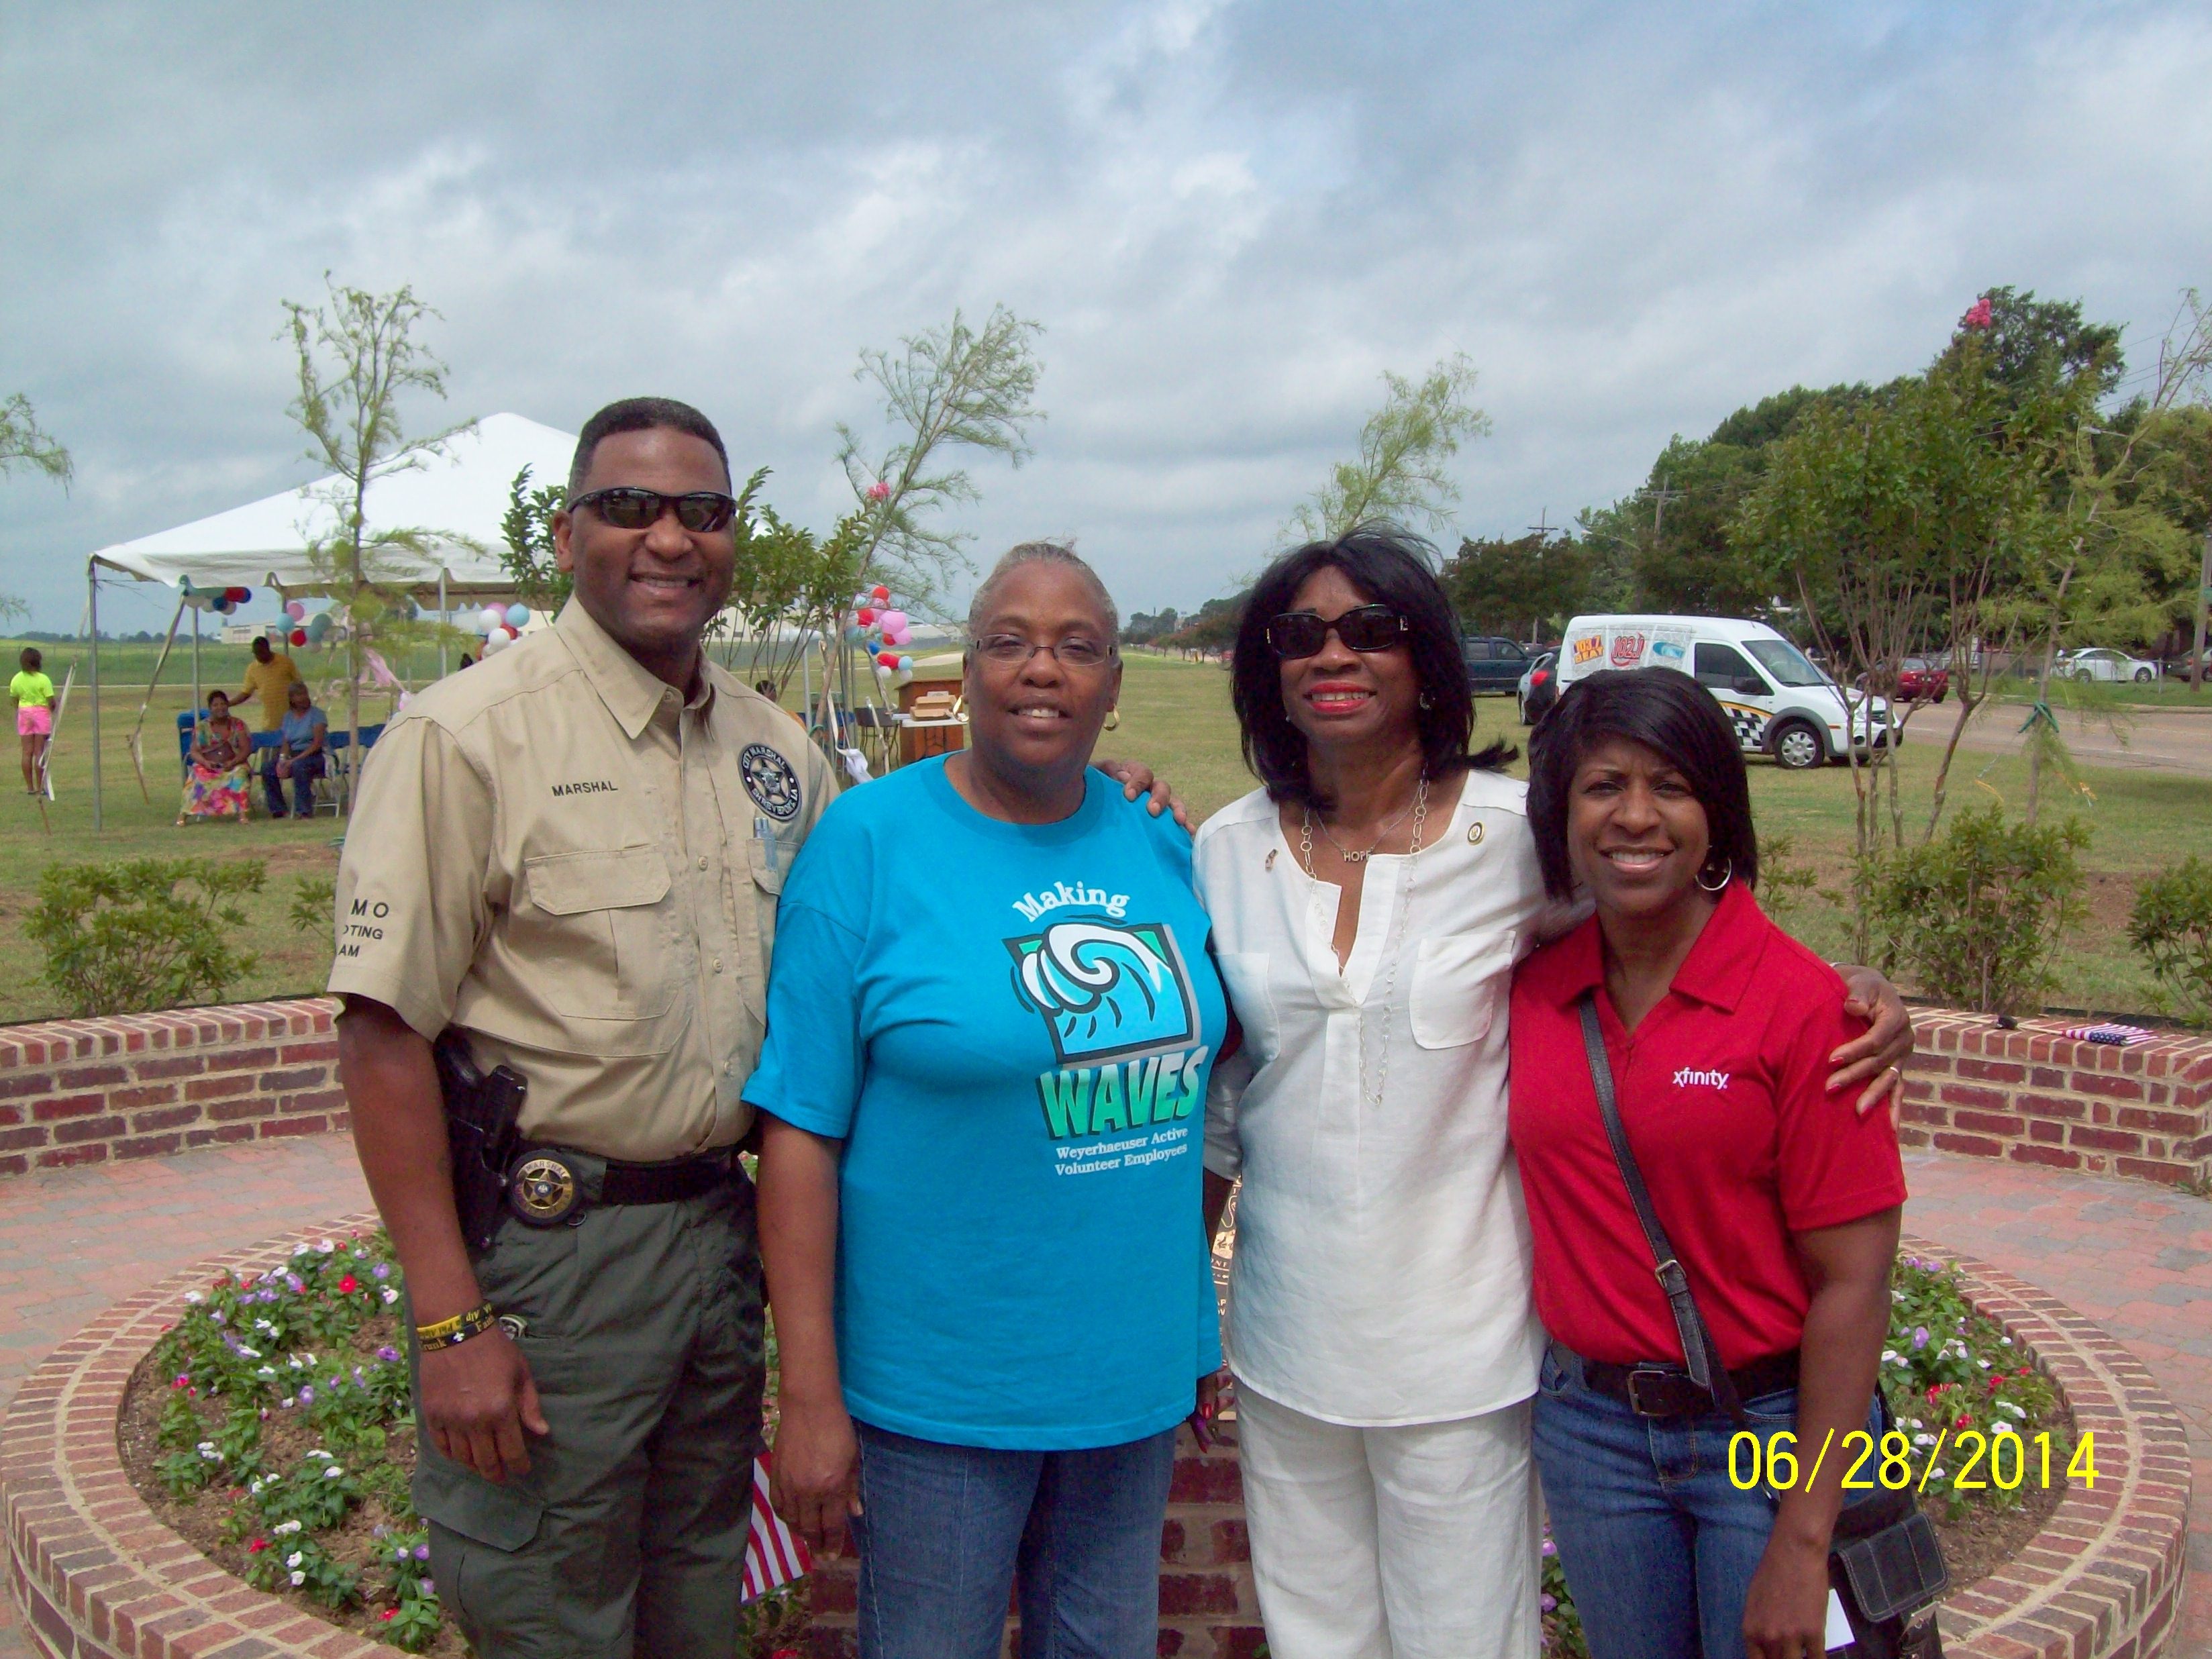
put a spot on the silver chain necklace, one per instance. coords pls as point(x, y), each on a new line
point(1373, 1096)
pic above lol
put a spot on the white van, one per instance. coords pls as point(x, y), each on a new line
point(1780, 703)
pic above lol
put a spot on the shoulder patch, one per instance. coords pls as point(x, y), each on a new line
point(770, 780)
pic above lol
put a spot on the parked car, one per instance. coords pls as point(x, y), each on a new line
point(1919, 680)
point(1539, 687)
point(1494, 664)
point(2102, 662)
point(1779, 703)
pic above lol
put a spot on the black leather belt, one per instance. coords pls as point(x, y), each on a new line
point(542, 1187)
point(1652, 1389)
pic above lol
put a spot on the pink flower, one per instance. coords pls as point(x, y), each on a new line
point(879, 491)
point(389, 1613)
point(1978, 315)
point(348, 1285)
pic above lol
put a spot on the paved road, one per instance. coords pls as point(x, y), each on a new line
point(2158, 739)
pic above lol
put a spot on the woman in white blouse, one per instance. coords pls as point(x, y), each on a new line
point(1369, 903)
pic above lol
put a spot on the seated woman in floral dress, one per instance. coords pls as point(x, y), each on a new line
point(218, 774)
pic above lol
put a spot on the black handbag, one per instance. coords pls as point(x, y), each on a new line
point(1884, 1560)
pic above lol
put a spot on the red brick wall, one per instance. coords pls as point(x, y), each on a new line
point(2034, 1095)
point(143, 1086)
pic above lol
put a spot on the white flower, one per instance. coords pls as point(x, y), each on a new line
point(1891, 1357)
point(299, 1578)
point(1924, 1439)
point(1984, 1364)
point(2001, 1427)
point(294, 1362)
point(285, 1527)
point(255, 1488)
point(2007, 1406)
point(285, 1403)
point(269, 1371)
point(207, 1450)
point(321, 1454)
point(324, 1246)
point(332, 1473)
point(194, 1298)
point(390, 1295)
point(1936, 1473)
point(2006, 1341)
point(295, 1559)
point(1896, 1295)
point(309, 1357)
point(246, 1352)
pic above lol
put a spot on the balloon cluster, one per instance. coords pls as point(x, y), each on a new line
point(222, 600)
point(305, 630)
point(881, 631)
point(501, 625)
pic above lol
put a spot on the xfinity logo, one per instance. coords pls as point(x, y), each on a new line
point(1688, 1078)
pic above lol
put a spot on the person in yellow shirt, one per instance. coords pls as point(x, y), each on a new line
point(34, 716)
point(271, 676)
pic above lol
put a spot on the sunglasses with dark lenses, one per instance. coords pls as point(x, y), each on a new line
point(1298, 634)
point(627, 507)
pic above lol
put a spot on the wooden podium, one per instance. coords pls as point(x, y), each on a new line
point(927, 725)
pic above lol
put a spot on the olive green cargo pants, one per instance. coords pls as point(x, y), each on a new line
point(641, 1325)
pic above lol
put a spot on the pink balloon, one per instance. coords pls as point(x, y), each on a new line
point(894, 619)
point(296, 609)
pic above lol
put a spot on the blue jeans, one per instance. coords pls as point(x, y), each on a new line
point(1658, 1544)
point(946, 1532)
point(306, 769)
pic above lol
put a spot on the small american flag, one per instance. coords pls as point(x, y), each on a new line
point(773, 1555)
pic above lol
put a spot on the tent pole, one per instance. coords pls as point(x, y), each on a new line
point(445, 622)
point(198, 706)
point(137, 731)
point(92, 609)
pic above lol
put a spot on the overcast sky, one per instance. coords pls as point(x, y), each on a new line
point(1229, 217)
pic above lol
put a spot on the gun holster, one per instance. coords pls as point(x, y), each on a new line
point(483, 1111)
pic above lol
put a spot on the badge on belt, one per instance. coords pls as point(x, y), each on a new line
point(542, 1190)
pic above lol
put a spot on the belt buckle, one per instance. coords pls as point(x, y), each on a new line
point(541, 1190)
point(1667, 1387)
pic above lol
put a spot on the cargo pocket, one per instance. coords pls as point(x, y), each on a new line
point(599, 940)
point(480, 1556)
point(1459, 983)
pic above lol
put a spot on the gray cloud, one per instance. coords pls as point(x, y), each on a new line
point(1230, 218)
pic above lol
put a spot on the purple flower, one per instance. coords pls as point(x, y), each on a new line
point(1549, 1603)
point(387, 1353)
point(1550, 1548)
point(422, 1551)
point(381, 1270)
point(307, 1397)
point(1919, 1338)
point(430, 1586)
point(297, 1284)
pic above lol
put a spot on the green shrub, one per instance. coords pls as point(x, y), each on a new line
point(2172, 926)
point(1975, 917)
point(124, 938)
point(311, 899)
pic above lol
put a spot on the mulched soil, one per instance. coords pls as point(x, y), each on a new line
point(1983, 1540)
point(286, 1438)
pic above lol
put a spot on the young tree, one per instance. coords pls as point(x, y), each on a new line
point(956, 386)
point(1400, 472)
point(1527, 587)
point(528, 553)
point(357, 357)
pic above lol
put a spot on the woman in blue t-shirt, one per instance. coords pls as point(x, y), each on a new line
point(990, 1021)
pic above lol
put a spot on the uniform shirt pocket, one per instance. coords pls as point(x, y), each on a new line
point(1245, 974)
point(769, 862)
point(600, 947)
point(1460, 985)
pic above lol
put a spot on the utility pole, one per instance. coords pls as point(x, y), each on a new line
point(1660, 497)
point(2204, 595)
point(1543, 529)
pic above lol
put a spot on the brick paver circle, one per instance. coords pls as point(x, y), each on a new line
point(98, 1575)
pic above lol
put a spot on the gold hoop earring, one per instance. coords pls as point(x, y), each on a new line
point(1727, 876)
point(1112, 720)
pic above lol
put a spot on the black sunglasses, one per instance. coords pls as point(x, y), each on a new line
point(628, 507)
point(1298, 634)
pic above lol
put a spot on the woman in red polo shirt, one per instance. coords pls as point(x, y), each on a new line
point(1780, 1203)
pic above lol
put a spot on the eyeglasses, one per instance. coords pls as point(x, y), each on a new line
point(627, 507)
point(1011, 650)
point(1298, 634)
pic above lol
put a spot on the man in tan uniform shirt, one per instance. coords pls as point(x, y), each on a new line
point(571, 855)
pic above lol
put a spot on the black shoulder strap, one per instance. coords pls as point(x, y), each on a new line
point(1700, 1353)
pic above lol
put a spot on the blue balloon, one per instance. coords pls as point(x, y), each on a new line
point(518, 616)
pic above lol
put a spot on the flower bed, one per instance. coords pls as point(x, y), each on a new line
point(271, 1426)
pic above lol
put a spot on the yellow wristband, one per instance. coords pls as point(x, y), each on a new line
point(446, 1332)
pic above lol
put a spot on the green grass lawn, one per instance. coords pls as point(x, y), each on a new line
point(1175, 714)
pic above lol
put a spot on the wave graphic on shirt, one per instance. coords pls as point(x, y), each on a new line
point(1105, 990)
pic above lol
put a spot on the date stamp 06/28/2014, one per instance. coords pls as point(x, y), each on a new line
point(1895, 1462)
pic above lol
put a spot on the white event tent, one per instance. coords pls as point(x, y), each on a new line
point(454, 500)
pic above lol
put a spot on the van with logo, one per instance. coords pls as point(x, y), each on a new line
point(1778, 701)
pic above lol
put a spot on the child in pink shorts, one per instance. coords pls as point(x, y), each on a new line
point(34, 717)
